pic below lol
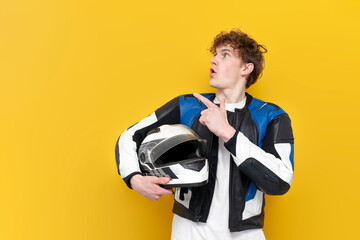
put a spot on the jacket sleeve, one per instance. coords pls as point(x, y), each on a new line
point(130, 140)
point(270, 167)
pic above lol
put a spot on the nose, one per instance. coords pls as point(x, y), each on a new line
point(213, 61)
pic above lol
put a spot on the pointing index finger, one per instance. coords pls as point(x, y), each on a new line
point(204, 100)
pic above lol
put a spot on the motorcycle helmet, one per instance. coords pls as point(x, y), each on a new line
point(177, 152)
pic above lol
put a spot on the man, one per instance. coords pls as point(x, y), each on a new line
point(250, 148)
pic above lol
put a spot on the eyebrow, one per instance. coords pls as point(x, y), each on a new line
point(224, 50)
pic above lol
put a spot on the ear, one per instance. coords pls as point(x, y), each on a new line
point(247, 68)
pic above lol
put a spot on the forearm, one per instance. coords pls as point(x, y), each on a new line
point(272, 174)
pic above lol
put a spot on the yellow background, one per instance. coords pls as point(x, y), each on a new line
point(74, 74)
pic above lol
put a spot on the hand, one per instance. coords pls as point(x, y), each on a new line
point(148, 186)
point(215, 118)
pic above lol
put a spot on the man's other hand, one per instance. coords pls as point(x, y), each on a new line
point(148, 186)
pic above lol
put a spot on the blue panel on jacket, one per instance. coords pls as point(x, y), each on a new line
point(191, 107)
point(262, 113)
point(292, 156)
point(251, 192)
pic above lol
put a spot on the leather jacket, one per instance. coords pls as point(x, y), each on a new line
point(261, 157)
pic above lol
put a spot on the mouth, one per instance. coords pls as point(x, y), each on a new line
point(212, 72)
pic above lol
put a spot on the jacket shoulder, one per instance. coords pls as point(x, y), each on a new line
point(263, 113)
point(263, 109)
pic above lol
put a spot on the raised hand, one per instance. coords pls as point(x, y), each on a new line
point(215, 118)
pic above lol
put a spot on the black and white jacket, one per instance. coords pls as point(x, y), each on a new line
point(262, 152)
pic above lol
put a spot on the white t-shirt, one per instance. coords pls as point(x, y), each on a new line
point(216, 226)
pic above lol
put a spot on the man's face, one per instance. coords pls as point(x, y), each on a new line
point(225, 68)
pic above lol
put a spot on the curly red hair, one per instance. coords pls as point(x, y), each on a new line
point(246, 48)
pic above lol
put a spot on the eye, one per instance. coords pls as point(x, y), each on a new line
point(226, 55)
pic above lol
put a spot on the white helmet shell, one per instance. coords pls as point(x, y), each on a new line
point(177, 152)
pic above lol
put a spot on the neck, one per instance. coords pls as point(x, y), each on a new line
point(230, 95)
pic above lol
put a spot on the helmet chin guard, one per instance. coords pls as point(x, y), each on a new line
point(177, 152)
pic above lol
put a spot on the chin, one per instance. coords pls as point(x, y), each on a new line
point(212, 83)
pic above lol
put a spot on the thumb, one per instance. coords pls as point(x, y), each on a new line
point(222, 105)
point(163, 180)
